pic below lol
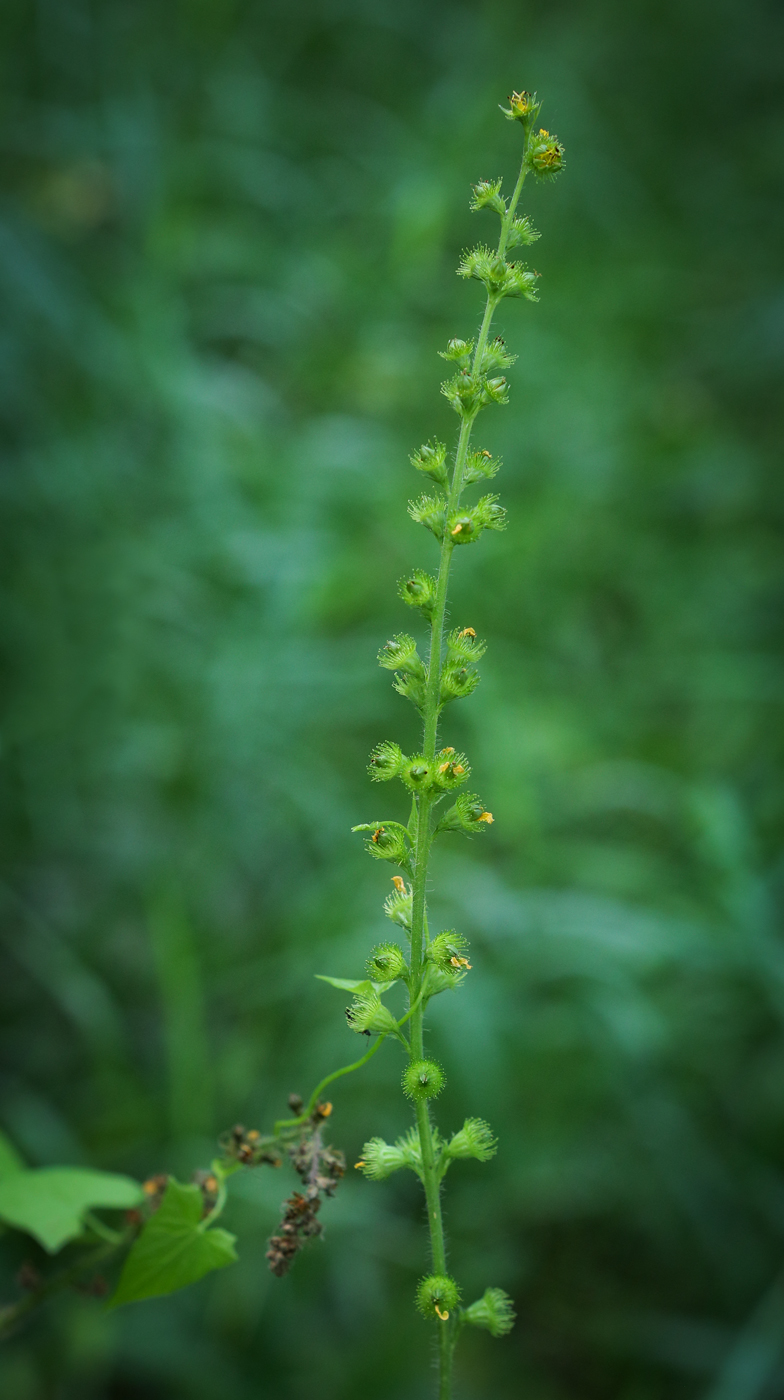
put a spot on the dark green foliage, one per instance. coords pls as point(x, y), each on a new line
point(228, 262)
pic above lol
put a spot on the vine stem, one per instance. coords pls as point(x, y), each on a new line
point(11, 1316)
point(424, 825)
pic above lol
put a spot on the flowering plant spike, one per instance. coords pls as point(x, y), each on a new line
point(437, 962)
point(168, 1235)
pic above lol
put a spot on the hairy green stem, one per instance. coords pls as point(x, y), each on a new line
point(424, 804)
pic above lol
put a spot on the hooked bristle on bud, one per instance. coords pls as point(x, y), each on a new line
point(437, 1296)
point(494, 1312)
point(423, 1079)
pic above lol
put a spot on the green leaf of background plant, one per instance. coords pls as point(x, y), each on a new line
point(348, 984)
point(173, 1249)
point(10, 1161)
point(50, 1202)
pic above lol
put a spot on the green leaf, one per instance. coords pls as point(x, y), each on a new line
point(50, 1202)
point(173, 1249)
point(10, 1161)
point(348, 984)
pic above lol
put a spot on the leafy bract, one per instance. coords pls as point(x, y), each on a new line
point(349, 984)
point(50, 1202)
point(174, 1248)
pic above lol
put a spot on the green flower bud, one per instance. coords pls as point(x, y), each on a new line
point(400, 654)
point(387, 964)
point(388, 841)
point(521, 232)
point(448, 951)
point(437, 1296)
point(546, 155)
point(464, 393)
point(459, 351)
point(368, 1013)
point(419, 591)
point(523, 107)
point(417, 774)
point(398, 906)
point(494, 1312)
point(423, 1079)
point(429, 511)
point(480, 465)
point(475, 1139)
point(458, 682)
point(386, 761)
point(431, 456)
point(468, 814)
point(462, 644)
point(487, 195)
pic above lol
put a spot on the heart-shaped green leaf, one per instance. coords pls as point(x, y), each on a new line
point(173, 1249)
point(50, 1202)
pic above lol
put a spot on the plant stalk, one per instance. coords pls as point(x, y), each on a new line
point(424, 804)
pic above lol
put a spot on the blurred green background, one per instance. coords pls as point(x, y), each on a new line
point(228, 241)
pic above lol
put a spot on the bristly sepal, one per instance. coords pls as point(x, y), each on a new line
point(462, 645)
point(468, 814)
point(521, 232)
point(430, 512)
point(480, 466)
point(496, 356)
point(367, 1012)
point(459, 352)
point(457, 682)
point(400, 654)
point(437, 1296)
point(387, 841)
point(475, 1139)
point(487, 195)
point(418, 590)
point(386, 761)
point(423, 1079)
point(430, 458)
point(398, 906)
point(387, 964)
point(467, 525)
point(493, 1311)
point(448, 951)
point(500, 278)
